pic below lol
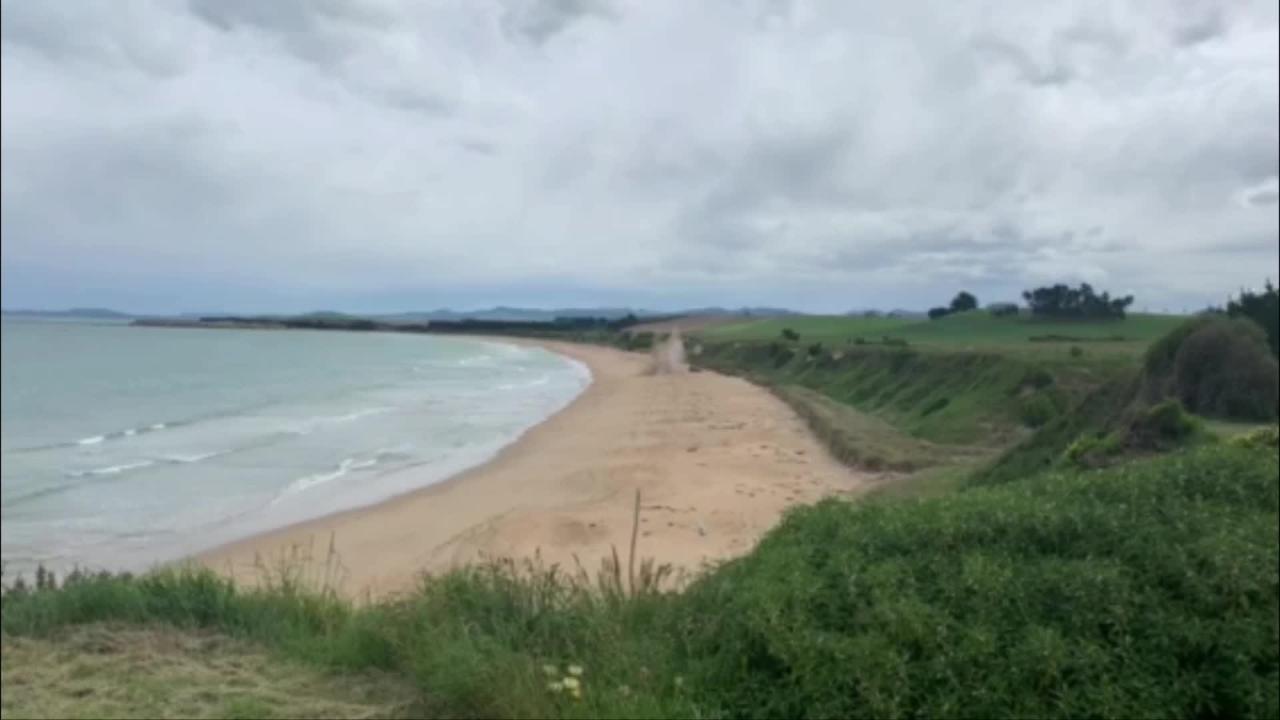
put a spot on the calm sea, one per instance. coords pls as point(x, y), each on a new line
point(124, 446)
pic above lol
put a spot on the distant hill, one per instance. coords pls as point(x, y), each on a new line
point(94, 313)
point(512, 314)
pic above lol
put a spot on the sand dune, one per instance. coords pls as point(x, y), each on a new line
point(717, 461)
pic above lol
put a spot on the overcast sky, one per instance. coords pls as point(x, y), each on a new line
point(292, 155)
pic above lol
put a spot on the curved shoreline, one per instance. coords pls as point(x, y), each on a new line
point(716, 459)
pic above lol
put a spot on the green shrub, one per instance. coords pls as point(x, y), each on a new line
point(1038, 409)
point(815, 349)
point(936, 405)
point(1267, 437)
point(1144, 590)
point(1096, 450)
point(1225, 368)
point(790, 335)
point(1076, 351)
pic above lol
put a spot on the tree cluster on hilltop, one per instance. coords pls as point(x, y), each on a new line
point(1065, 302)
point(964, 301)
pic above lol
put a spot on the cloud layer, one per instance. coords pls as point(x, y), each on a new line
point(295, 154)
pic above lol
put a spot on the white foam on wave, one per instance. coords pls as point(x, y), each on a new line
point(309, 481)
point(197, 457)
point(309, 425)
point(91, 440)
point(113, 469)
point(539, 382)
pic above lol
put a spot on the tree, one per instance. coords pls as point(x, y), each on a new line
point(1082, 303)
point(963, 302)
point(790, 335)
point(1002, 309)
point(938, 312)
point(1263, 308)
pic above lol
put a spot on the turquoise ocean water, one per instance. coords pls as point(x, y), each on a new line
point(125, 446)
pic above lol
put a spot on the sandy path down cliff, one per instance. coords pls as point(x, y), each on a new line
point(716, 458)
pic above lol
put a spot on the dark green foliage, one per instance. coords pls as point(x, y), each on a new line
point(1082, 303)
point(815, 349)
point(1224, 368)
point(1077, 351)
point(964, 301)
point(1038, 409)
point(1035, 379)
point(1263, 308)
point(1140, 591)
point(936, 405)
point(637, 341)
point(938, 312)
point(1003, 309)
point(1163, 353)
point(1216, 366)
point(790, 335)
point(1161, 427)
point(1097, 450)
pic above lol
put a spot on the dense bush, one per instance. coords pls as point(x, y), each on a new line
point(1263, 308)
point(1216, 366)
point(1037, 409)
point(1161, 427)
point(1225, 368)
point(790, 335)
point(1003, 309)
point(938, 312)
point(1139, 591)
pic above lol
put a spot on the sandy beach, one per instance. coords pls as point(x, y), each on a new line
point(717, 461)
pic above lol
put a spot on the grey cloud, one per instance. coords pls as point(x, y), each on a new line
point(68, 33)
point(314, 30)
point(1198, 27)
point(478, 147)
point(1263, 197)
point(1021, 62)
point(823, 152)
point(537, 21)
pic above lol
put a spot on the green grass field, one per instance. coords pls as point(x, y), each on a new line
point(977, 330)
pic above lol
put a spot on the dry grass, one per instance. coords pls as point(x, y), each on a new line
point(99, 671)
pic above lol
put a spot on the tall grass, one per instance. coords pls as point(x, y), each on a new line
point(1145, 590)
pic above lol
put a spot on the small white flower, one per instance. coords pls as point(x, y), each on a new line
point(575, 670)
point(571, 683)
point(555, 686)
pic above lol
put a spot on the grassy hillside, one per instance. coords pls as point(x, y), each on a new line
point(984, 398)
point(1144, 590)
point(977, 330)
